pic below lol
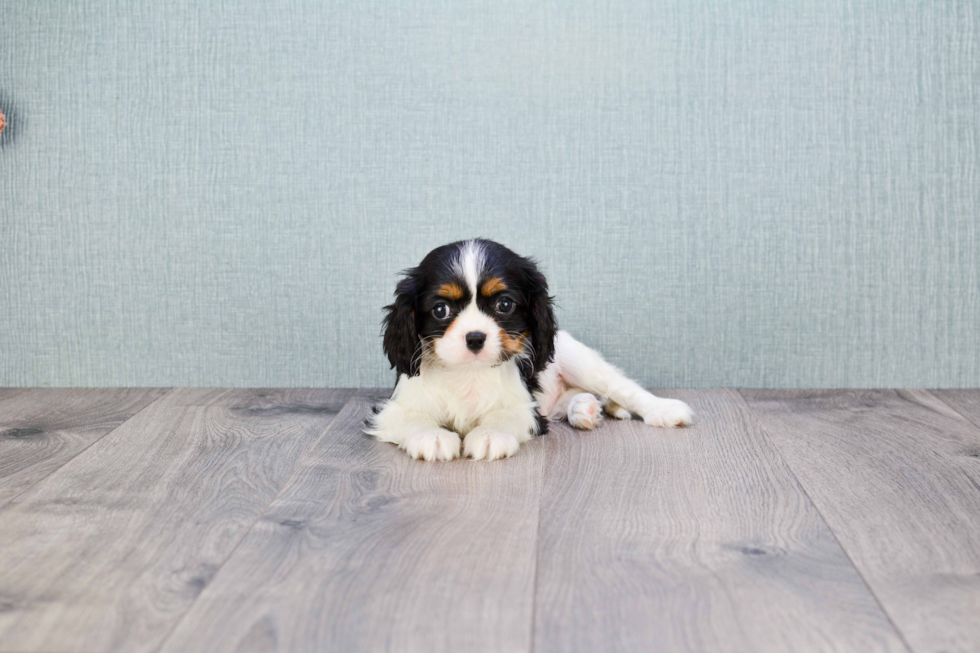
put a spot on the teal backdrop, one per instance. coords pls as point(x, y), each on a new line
point(722, 193)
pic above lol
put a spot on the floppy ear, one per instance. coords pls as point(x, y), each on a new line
point(401, 340)
point(541, 316)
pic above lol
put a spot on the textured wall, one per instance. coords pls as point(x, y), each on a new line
point(722, 193)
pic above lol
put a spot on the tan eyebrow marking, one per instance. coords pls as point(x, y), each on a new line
point(492, 286)
point(451, 290)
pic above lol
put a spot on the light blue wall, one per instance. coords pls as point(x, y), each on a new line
point(726, 193)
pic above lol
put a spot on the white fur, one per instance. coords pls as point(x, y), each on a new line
point(451, 347)
point(577, 369)
point(489, 403)
point(468, 264)
point(584, 410)
point(461, 393)
point(492, 409)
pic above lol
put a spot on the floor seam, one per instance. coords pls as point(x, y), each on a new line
point(10, 501)
point(952, 408)
point(537, 551)
point(799, 483)
point(245, 533)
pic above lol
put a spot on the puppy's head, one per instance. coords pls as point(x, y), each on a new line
point(470, 303)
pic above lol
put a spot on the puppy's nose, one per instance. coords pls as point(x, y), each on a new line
point(475, 340)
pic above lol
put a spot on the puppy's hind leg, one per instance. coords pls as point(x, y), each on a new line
point(615, 410)
point(582, 367)
point(582, 409)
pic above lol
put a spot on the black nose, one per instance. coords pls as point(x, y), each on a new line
point(475, 340)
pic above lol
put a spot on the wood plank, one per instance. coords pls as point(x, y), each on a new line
point(113, 547)
point(964, 402)
point(43, 428)
point(369, 550)
point(696, 539)
point(897, 478)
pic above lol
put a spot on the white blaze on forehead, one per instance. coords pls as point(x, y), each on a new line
point(469, 263)
point(451, 347)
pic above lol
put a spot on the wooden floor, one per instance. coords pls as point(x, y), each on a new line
point(264, 520)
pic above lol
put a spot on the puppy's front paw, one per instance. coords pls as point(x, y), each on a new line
point(667, 413)
point(437, 444)
point(584, 411)
point(487, 443)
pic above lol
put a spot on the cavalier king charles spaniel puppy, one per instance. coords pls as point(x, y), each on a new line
point(479, 356)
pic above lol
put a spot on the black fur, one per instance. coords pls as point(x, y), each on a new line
point(540, 315)
point(401, 340)
point(409, 318)
point(543, 325)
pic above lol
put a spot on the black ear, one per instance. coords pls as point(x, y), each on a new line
point(401, 340)
point(541, 316)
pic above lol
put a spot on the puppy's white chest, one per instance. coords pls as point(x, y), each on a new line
point(470, 395)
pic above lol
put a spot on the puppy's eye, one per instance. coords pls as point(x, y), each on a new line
point(505, 306)
point(441, 311)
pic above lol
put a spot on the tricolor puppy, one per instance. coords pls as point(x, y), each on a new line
point(479, 357)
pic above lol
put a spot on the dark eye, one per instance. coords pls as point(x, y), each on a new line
point(441, 311)
point(505, 306)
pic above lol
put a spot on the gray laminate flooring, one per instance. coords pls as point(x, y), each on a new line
point(264, 520)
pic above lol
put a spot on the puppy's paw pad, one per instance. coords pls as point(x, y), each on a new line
point(487, 444)
point(668, 413)
point(584, 411)
point(437, 444)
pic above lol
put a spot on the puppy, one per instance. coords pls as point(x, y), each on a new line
point(478, 354)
